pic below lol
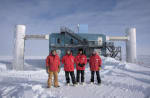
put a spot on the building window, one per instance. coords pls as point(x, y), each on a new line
point(71, 41)
point(58, 40)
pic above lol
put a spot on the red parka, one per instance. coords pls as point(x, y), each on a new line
point(95, 62)
point(68, 61)
point(82, 60)
point(53, 62)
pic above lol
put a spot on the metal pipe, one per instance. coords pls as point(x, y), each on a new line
point(118, 38)
point(30, 37)
point(18, 62)
point(131, 45)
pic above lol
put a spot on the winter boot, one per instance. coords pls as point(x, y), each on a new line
point(74, 84)
point(48, 86)
point(57, 86)
point(91, 82)
point(67, 84)
point(77, 83)
point(82, 83)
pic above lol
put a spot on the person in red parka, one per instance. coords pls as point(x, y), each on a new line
point(95, 63)
point(81, 61)
point(52, 67)
point(68, 61)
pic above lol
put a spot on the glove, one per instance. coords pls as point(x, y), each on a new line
point(47, 69)
point(80, 65)
point(83, 65)
point(58, 69)
point(99, 68)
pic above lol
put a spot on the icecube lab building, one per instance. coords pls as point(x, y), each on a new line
point(66, 38)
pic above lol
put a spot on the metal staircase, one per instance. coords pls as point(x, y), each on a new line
point(74, 35)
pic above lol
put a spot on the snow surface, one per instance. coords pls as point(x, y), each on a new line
point(119, 80)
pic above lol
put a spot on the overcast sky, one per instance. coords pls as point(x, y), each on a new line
point(110, 17)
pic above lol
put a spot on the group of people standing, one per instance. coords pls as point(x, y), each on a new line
point(53, 67)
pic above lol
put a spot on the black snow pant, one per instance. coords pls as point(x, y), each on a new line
point(98, 76)
point(78, 75)
point(72, 76)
